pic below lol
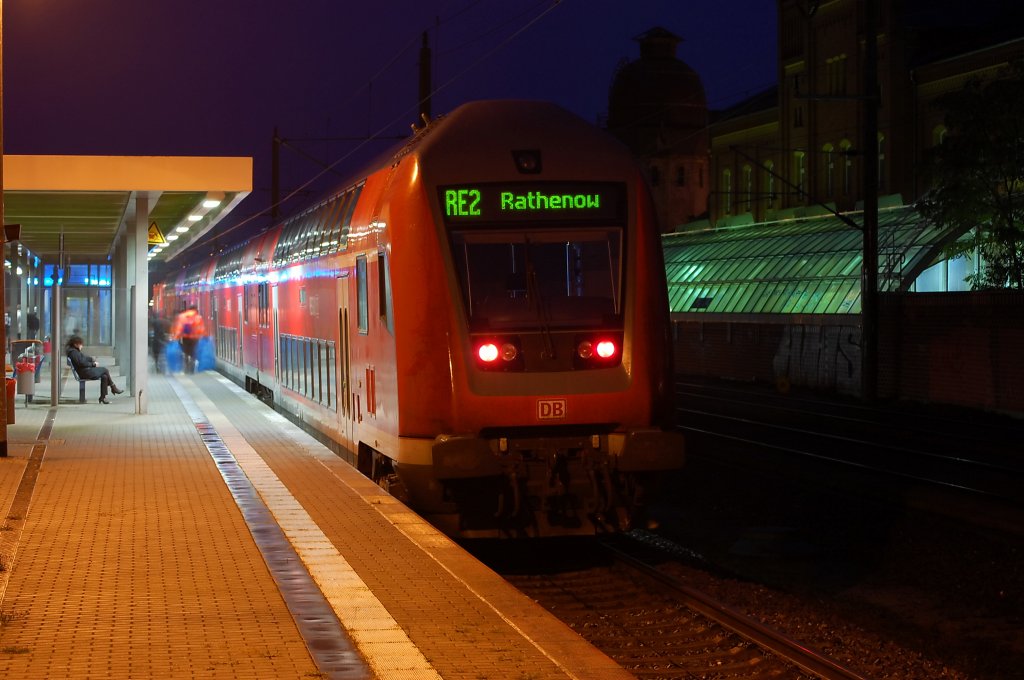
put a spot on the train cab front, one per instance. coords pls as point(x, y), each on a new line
point(560, 377)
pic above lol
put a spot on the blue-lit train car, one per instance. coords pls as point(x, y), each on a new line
point(479, 322)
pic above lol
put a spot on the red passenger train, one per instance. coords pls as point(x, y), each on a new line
point(479, 323)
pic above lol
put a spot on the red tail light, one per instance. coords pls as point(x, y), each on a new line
point(598, 350)
point(487, 352)
point(499, 354)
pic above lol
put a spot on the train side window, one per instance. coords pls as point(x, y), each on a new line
point(346, 221)
point(293, 352)
point(306, 372)
point(384, 292)
point(314, 370)
point(283, 354)
point(332, 384)
point(320, 371)
point(336, 228)
point(286, 360)
point(246, 295)
point(362, 303)
point(264, 305)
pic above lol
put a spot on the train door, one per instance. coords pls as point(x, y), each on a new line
point(346, 412)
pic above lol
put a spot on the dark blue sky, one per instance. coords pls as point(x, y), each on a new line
point(213, 77)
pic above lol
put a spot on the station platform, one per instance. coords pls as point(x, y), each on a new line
point(212, 538)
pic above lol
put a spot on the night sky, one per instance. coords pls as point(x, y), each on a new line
point(214, 77)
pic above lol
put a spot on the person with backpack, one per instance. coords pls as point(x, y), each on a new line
point(188, 328)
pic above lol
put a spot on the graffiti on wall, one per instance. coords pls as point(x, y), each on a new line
point(820, 357)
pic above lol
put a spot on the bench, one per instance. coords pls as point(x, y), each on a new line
point(81, 381)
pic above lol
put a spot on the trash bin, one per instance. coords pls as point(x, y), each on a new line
point(11, 383)
point(26, 377)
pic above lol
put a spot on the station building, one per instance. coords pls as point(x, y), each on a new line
point(87, 228)
point(762, 204)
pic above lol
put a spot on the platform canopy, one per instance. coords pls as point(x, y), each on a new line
point(87, 202)
point(796, 266)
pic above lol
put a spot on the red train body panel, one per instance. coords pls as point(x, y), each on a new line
point(480, 323)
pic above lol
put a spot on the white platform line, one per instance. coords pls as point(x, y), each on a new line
point(382, 642)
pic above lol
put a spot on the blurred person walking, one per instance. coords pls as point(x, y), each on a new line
point(188, 328)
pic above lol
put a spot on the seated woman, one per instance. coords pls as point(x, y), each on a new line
point(87, 368)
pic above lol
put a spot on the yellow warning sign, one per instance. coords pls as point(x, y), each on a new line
point(156, 237)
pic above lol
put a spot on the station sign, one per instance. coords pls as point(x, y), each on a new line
point(156, 237)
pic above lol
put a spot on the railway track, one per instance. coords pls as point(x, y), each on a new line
point(659, 628)
point(976, 456)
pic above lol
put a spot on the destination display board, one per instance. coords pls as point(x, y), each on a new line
point(532, 201)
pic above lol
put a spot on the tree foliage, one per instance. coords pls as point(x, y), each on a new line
point(977, 177)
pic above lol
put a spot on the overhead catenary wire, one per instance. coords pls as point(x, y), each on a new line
point(397, 119)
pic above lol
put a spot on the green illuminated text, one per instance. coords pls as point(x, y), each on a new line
point(536, 200)
point(462, 202)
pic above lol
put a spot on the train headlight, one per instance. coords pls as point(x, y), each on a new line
point(527, 161)
point(509, 352)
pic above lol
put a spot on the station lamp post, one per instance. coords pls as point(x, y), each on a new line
point(3, 247)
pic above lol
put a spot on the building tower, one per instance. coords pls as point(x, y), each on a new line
point(657, 107)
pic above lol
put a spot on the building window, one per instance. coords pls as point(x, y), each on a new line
point(835, 68)
point(769, 183)
point(681, 176)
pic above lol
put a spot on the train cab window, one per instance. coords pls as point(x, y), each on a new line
point(361, 297)
point(522, 280)
point(384, 292)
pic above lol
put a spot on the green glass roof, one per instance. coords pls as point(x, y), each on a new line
point(797, 266)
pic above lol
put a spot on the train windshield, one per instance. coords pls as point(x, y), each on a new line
point(524, 279)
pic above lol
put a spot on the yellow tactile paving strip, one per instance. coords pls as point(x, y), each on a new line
point(135, 562)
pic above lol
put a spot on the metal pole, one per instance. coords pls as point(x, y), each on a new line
point(869, 268)
point(425, 81)
point(275, 176)
point(3, 248)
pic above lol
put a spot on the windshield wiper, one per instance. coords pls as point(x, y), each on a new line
point(533, 293)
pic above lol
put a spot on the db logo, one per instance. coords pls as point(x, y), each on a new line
point(550, 409)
